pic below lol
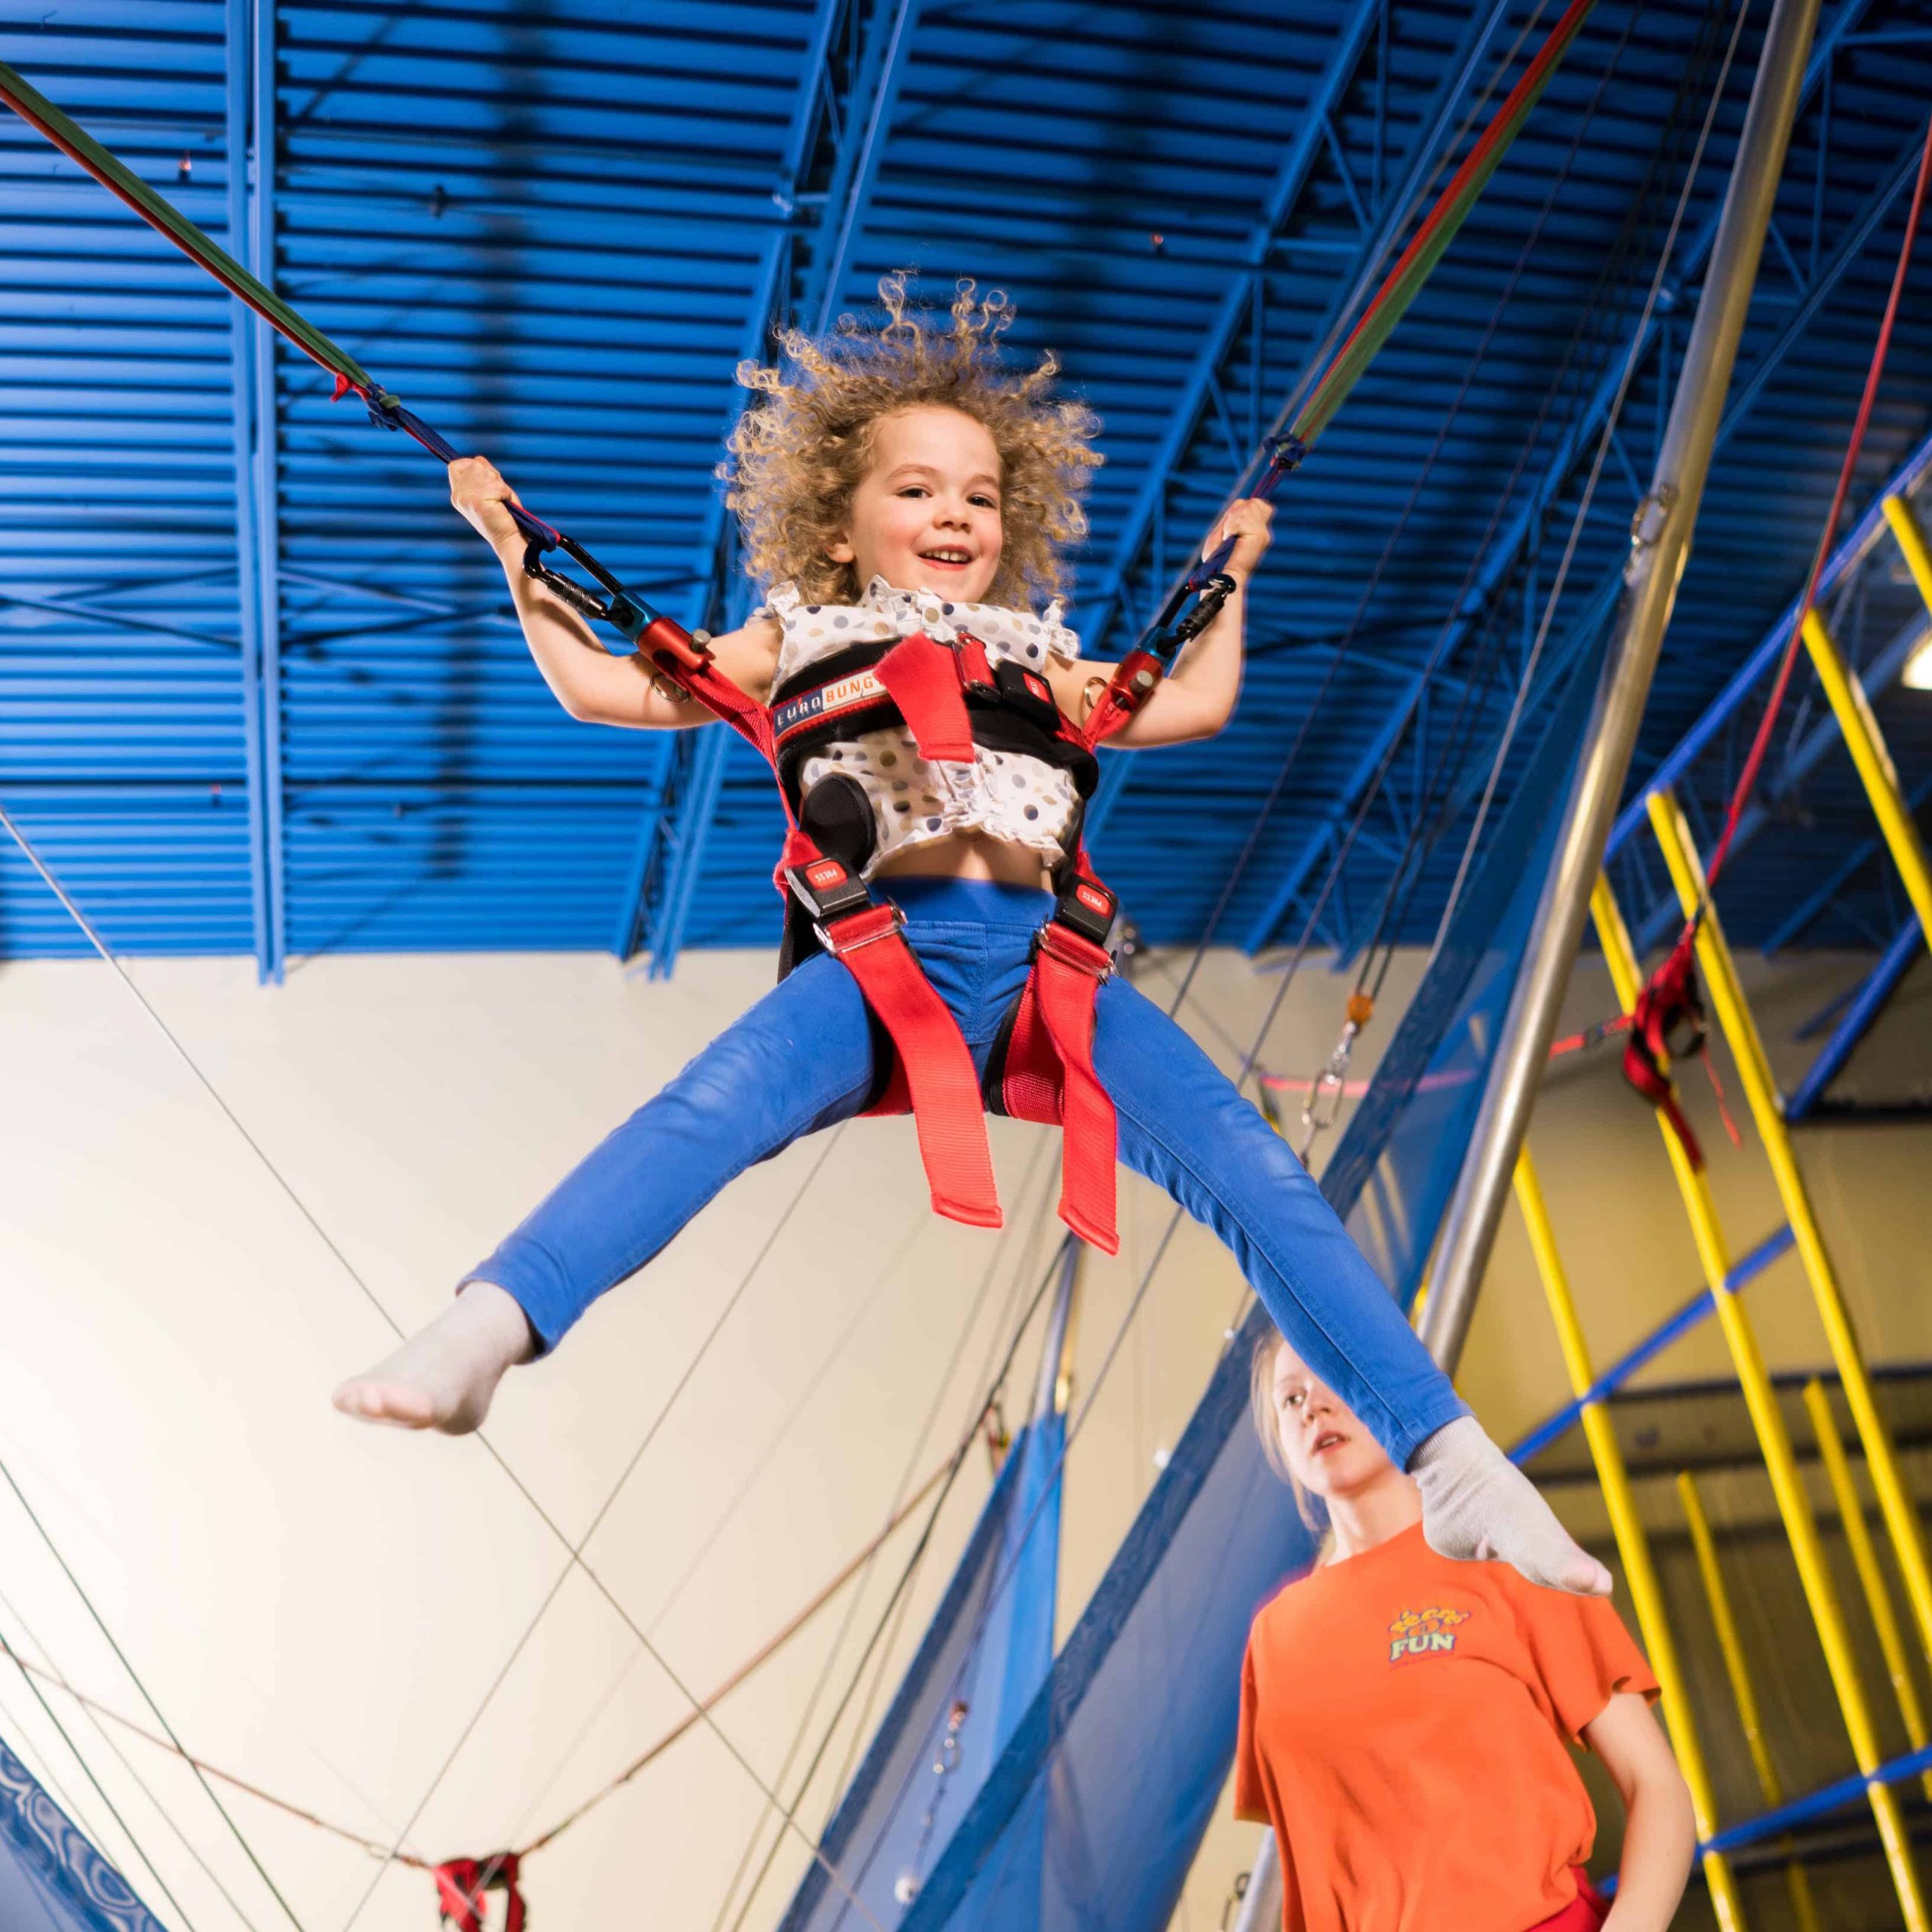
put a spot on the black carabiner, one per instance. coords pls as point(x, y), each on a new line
point(623, 611)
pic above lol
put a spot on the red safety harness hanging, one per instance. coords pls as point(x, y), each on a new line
point(462, 1885)
point(1670, 996)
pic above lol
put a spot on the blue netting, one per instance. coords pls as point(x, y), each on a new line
point(1092, 1814)
point(52, 1878)
point(988, 1649)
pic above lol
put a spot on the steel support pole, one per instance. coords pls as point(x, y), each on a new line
point(1660, 548)
point(1261, 1903)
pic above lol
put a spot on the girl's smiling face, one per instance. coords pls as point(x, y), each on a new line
point(926, 515)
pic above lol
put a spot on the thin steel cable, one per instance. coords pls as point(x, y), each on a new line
point(134, 1677)
point(87, 1770)
point(516, 1482)
point(813, 1382)
point(1407, 877)
point(93, 1716)
point(1577, 521)
point(901, 1589)
point(576, 1549)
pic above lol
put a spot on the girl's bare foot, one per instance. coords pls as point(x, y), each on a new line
point(444, 1377)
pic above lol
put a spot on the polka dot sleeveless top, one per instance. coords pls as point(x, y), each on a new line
point(914, 801)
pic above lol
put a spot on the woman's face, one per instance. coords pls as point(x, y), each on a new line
point(1329, 1452)
point(926, 515)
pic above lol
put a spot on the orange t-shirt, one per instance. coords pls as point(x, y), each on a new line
point(1403, 1724)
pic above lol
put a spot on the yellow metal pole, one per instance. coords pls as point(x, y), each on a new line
point(1876, 771)
point(1865, 1559)
point(1718, 1596)
point(1895, 1501)
point(1633, 1545)
point(1774, 1441)
point(1911, 541)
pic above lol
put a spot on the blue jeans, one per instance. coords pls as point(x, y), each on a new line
point(802, 1059)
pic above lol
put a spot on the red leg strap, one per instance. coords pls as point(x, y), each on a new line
point(923, 679)
point(1132, 684)
point(1063, 991)
point(934, 1061)
point(459, 1895)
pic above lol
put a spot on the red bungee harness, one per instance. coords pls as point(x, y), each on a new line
point(1668, 1024)
point(953, 698)
point(462, 1883)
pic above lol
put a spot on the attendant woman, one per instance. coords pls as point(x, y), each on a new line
point(1405, 1719)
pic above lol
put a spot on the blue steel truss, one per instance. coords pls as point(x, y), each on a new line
point(260, 693)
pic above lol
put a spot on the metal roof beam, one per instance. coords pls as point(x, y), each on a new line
point(251, 129)
point(1873, 995)
point(855, 170)
point(1284, 198)
point(1848, 868)
point(662, 882)
point(1878, 676)
point(1503, 556)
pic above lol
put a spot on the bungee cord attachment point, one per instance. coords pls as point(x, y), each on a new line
point(1323, 1107)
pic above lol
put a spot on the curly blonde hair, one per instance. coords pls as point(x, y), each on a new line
point(799, 452)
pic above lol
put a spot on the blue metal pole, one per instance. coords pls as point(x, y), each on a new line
point(856, 174)
point(1745, 1270)
point(676, 828)
point(1816, 1805)
point(1502, 554)
point(1879, 675)
point(1852, 551)
point(251, 145)
point(1867, 1004)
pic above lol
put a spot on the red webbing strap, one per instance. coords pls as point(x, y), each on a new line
point(1132, 684)
point(1668, 1000)
point(934, 1059)
point(461, 1883)
point(1067, 973)
point(1049, 1076)
point(669, 646)
point(922, 678)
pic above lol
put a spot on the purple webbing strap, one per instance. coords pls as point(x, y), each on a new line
point(1286, 456)
point(392, 415)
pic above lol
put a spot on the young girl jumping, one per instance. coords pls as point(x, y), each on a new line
point(905, 498)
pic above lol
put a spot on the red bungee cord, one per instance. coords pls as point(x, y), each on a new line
point(1668, 1000)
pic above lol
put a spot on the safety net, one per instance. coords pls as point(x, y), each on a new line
point(1092, 1813)
point(51, 1878)
point(981, 1663)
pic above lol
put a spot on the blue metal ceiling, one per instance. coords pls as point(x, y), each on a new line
point(298, 718)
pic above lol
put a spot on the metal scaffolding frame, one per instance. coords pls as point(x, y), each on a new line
point(1852, 720)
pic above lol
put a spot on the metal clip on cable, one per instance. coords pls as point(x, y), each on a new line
point(1324, 1106)
point(628, 615)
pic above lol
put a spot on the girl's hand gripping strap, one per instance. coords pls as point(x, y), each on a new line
point(1137, 674)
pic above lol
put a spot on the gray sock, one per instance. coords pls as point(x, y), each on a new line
point(1478, 1507)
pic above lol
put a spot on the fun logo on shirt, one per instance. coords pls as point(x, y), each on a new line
point(1417, 1633)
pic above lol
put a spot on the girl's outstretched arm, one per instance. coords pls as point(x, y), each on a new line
point(1197, 697)
point(585, 678)
point(1659, 1834)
